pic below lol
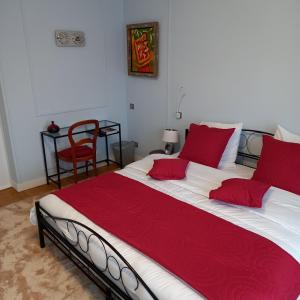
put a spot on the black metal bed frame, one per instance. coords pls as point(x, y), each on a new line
point(76, 242)
point(245, 154)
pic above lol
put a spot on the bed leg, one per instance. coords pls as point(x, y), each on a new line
point(108, 294)
point(40, 227)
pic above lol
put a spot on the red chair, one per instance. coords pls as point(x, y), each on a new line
point(79, 150)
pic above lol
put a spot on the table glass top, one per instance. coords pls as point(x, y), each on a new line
point(103, 124)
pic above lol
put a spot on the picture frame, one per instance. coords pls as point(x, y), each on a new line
point(143, 49)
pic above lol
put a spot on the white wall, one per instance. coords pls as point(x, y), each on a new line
point(41, 82)
point(237, 60)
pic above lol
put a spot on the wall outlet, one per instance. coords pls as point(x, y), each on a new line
point(131, 106)
point(178, 115)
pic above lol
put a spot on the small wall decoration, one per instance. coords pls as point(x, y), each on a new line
point(69, 38)
point(142, 42)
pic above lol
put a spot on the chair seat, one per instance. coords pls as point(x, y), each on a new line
point(80, 151)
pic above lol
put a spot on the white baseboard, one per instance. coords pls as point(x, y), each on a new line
point(4, 187)
point(19, 187)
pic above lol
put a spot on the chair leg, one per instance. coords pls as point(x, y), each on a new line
point(75, 172)
point(87, 168)
point(95, 166)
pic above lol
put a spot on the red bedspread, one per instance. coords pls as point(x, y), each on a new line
point(215, 257)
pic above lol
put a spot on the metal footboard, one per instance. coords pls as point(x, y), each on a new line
point(94, 256)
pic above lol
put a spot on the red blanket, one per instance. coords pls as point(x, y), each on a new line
point(215, 257)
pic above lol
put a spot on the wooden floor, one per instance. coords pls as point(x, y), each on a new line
point(10, 195)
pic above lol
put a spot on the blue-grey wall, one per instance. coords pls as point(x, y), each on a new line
point(41, 82)
point(150, 96)
point(237, 61)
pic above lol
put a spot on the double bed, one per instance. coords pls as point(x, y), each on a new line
point(126, 272)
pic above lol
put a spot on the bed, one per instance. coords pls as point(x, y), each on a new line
point(126, 273)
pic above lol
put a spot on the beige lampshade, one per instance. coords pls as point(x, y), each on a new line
point(170, 136)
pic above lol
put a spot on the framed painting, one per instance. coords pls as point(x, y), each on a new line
point(142, 42)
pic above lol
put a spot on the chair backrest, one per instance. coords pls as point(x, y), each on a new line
point(94, 132)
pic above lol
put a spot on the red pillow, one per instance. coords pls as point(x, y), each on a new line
point(279, 165)
point(238, 191)
point(205, 145)
point(169, 169)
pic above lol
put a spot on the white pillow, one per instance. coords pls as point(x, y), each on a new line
point(230, 153)
point(286, 136)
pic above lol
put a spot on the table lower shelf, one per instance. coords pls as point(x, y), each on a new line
point(58, 183)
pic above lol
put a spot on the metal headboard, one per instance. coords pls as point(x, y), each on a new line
point(250, 146)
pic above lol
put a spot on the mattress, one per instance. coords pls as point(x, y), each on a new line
point(278, 220)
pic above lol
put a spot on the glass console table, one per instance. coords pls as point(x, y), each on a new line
point(107, 129)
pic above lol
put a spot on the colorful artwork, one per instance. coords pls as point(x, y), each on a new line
point(143, 49)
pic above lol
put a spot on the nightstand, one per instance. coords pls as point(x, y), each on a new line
point(158, 151)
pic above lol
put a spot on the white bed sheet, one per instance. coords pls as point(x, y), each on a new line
point(278, 220)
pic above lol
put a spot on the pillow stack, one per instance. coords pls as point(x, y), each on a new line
point(279, 164)
point(206, 145)
point(216, 145)
point(230, 153)
point(286, 136)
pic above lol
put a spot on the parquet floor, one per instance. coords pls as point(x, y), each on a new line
point(10, 195)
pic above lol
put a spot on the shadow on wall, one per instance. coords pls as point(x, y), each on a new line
point(5, 180)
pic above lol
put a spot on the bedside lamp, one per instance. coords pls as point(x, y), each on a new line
point(170, 137)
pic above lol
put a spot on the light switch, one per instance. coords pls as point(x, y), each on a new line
point(178, 115)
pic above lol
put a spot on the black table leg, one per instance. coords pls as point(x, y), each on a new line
point(106, 149)
point(120, 146)
point(57, 165)
point(45, 158)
